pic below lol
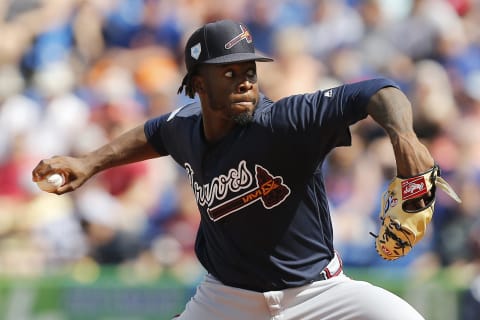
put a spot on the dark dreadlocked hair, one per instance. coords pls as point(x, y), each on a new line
point(187, 85)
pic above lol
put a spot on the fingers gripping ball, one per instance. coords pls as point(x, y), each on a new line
point(404, 220)
point(52, 182)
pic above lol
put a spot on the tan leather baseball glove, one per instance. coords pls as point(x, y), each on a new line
point(404, 219)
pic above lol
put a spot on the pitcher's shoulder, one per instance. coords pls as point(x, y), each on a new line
point(192, 109)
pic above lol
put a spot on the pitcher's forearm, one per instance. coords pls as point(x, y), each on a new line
point(132, 146)
point(129, 147)
point(392, 110)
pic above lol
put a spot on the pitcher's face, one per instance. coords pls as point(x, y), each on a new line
point(229, 90)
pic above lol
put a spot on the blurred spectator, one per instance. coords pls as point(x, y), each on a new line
point(333, 25)
point(108, 242)
point(433, 100)
point(259, 21)
point(300, 72)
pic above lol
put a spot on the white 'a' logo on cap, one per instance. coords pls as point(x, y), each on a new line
point(195, 51)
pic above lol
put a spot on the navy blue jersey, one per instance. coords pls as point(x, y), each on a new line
point(265, 222)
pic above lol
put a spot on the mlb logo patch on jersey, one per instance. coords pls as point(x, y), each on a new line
point(328, 93)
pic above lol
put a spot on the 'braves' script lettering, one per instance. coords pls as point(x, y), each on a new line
point(236, 180)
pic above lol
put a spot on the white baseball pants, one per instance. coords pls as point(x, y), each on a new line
point(337, 298)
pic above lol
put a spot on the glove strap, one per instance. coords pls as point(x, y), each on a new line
point(435, 172)
point(437, 180)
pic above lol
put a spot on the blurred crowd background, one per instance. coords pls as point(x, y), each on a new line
point(76, 73)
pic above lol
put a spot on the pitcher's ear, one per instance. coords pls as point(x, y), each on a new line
point(198, 84)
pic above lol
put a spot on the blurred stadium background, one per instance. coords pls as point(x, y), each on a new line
point(75, 73)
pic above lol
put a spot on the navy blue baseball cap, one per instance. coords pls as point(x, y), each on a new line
point(220, 42)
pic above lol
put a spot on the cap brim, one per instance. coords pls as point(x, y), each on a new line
point(232, 58)
point(238, 57)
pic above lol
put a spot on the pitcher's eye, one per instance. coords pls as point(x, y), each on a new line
point(252, 75)
point(229, 74)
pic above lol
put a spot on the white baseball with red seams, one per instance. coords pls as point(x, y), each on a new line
point(52, 182)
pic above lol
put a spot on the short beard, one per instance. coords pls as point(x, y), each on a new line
point(243, 119)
